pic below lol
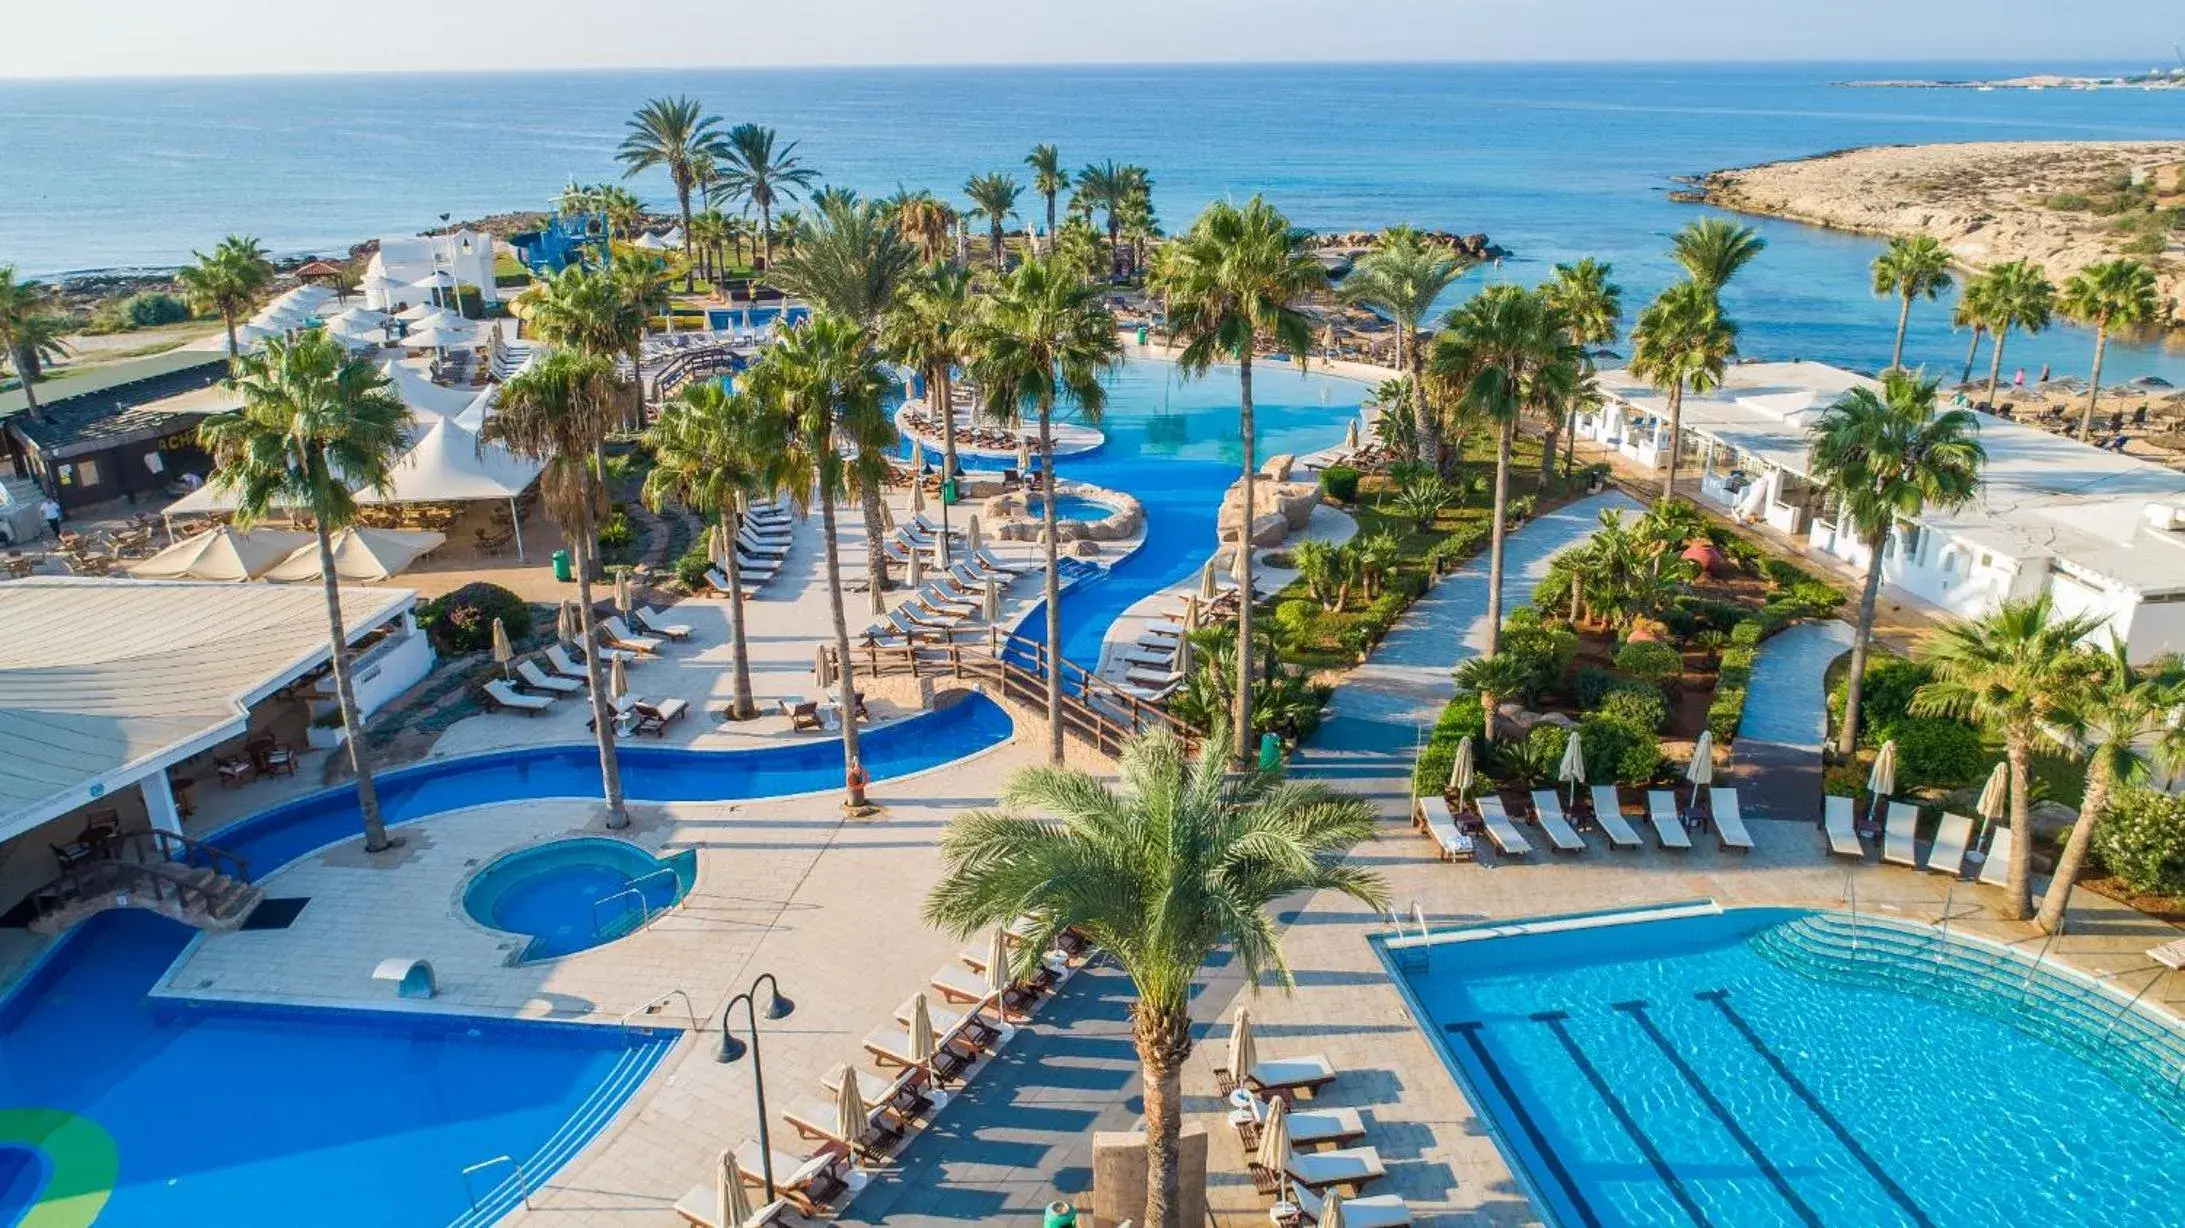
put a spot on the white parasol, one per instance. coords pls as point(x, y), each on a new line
point(1572, 771)
point(1243, 1055)
point(1882, 781)
point(503, 651)
point(1460, 769)
point(971, 533)
point(618, 678)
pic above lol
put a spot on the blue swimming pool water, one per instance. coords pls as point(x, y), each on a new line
point(22, 1174)
point(575, 894)
point(1071, 507)
point(1673, 1072)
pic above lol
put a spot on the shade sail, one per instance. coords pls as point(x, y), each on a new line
point(447, 466)
point(423, 396)
point(360, 554)
point(224, 553)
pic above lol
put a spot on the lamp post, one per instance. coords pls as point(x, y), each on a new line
point(732, 1049)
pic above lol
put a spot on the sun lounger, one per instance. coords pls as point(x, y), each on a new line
point(931, 527)
point(564, 665)
point(809, 1183)
point(815, 1119)
point(507, 696)
point(717, 580)
point(1500, 829)
point(1351, 1166)
point(889, 1045)
point(1431, 813)
point(1729, 820)
point(1843, 835)
point(1608, 815)
point(976, 1030)
point(1154, 677)
point(802, 714)
point(934, 597)
point(1151, 694)
point(1947, 855)
point(2170, 955)
point(1281, 1074)
point(748, 546)
point(539, 679)
point(701, 1204)
point(657, 623)
point(1308, 1127)
point(1548, 812)
point(1898, 845)
point(654, 718)
point(1661, 810)
point(619, 632)
point(906, 1095)
point(1996, 870)
point(1147, 658)
point(1370, 1211)
point(985, 556)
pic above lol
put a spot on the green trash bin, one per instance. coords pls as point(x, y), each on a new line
point(1270, 751)
point(1060, 1215)
point(1142, 336)
point(562, 570)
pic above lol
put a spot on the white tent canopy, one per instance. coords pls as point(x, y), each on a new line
point(651, 242)
point(439, 336)
point(446, 466)
point(430, 400)
point(360, 554)
point(420, 312)
point(224, 553)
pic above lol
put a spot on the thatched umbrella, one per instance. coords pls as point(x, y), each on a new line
point(622, 591)
point(1701, 771)
point(917, 568)
point(992, 601)
point(1209, 583)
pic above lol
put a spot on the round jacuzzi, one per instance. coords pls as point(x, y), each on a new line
point(574, 894)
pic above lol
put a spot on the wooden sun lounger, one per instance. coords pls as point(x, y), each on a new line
point(1351, 1166)
point(1508, 839)
point(1661, 810)
point(1608, 815)
point(1365, 1211)
point(1147, 658)
point(1548, 812)
point(1280, 1074)
point(1898, 845)
point(1431, 814)
point(906, 1095)
point(986, 556)
point(507, 696)
point(1996, 870)
point(658, 623)
point(1843, 834)
point(565, 665)
point(1947, 855)
point(700, 1204)
point(539, 679)
point(619, 632)
point(2170, 955)
point(813, 1118)
point(809, 1183)
point(1729, 820)
point(889, 1045)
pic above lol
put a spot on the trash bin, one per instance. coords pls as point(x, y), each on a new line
point(1143, 334)
point(562, 570)
point(1060, 1215)
point(1270, 751)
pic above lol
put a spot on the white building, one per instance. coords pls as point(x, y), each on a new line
point(2102, 532)
point(409, 270)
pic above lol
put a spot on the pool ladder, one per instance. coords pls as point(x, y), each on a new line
point(633, 887)
point(522, 1183)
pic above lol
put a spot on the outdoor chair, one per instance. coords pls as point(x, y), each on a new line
point(906, 1096)
point(1365, 1211)
point(1279, 1075)
point(814, 1119)
point(1608, 815)
point(539, 679)
point(1430, 814)
point(889, 1045)
point(1947, 854)
point(1351, 1166)
point(619, 634)
point(654, 718)
point(1661, 811)
point(802, 714)
point(1729, 820)
point(1843, 834)
point(506, 696)
point(1898, 845)
point(1508, 839)
point(1996, 871)
point(564, 665)
point(1548, 812)
point(656, 622)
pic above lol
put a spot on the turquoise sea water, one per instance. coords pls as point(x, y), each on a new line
point(1552, 161)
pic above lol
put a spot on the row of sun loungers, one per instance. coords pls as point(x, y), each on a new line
point(1431, 815)
point(1324, 1143)
point(762, 546)
point(564, 674)
point(944, 604)
point(1899, 843)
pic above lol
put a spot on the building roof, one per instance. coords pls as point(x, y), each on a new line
point(143, 398)
point(103, 681)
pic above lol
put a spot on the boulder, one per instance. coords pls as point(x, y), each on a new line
point(1085, 549)
point(1290, 502)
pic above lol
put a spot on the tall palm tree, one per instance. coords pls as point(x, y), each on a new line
point(926, 222)
point(1106, 187)
point(598, 313)
point(2127, 721)
point(1592, 308)
point(622, 210)
point(709, 448)
point(1048, 179)
point(557, 411)
point(644, 282)
point(1402, 277)
point(753, 171)
point(2019, 672)
point(927, 332)
point(1140, 224)
point(1712, 250)
point(2013, 295)
point(1915, 266)
point(1044, 335)
point(677, 134)
point(2108, 295)
point(995, 197)
point(22, 336)
point(1682, 342)
point(1176, 861)
point(711, 231)
point(227, 281)
point(315, 426)
point(1972, 311)
point(1233, 283)
point(1886, 457)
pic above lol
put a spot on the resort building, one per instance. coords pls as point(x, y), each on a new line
point(2102, 532)
point(124, 430)
point(409, 270)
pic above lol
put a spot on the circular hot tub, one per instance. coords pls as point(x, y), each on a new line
point(575, 894)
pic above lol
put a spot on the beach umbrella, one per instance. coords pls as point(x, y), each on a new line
point(940, 552)
point(1243, 1055)
point(1024, 454)
point(1572, 771)
point(971, 533)
point(1239, 562)
point(1882, 781)
point(822, 675)
point(917, 458)
point(917, 568)
point(993, 601)
point(412, 315)
point(571, 625)
point(917, 496)
point(921, 1030)
point(224, 553)
point(887, 516)
point(1183, 655)
point(1209, 582)
point(622, 591)
point(731, 1202)
point(1274, 1137)
point(1191, 613)
point(503, 651)
point(618, 678)
point(997, 965)
point(1994, 799)
point(1701, 771)
point(439, 337)
point(1460, 769)
point(850, 1119)
point(1331, 1210)
point(1350, 436)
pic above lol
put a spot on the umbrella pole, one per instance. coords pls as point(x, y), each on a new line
point(515, 520)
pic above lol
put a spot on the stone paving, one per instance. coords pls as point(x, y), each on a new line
point(1778, 749)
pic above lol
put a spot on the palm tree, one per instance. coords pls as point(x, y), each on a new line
point(1138, 221)
point(926, 222)
point(712, 230)
point(2013, 295)
point(24, 339)
point(994, 196)
point(1911, 267)
point(926, 332)
point(1682, 341)
point(1043, 335)
point(2019, 672)
point(314, 427)
point(1592, 308)
point(1972, 311)
point(677, 134)
point(709, 449)
point(621, 208)
point(1887, 457)
point(1107, 187)
point(1176, 861)
point(1402, 278)
point(1712, 250)
point(1493, 677)
point(761, 176)
point(2107, 295)
point(1233, 283)
point(1048, 179)
point(643, 280)
point(227, 281)
point(2127, 722)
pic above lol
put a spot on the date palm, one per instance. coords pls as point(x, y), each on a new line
point(1493, 677)
point(1402, 277)
point(762, 176)
point(2014, 295)
point(1971, 311)
point(1042, 337)
point(2019, 672)
point(314, 427)
point(1682, 343)
point(2111, 294)
point(623, 211)
point(925, 221)
point(994, 197)
point(677, 135)
point(1233, 283)
point(927, 332)
point(1911, 267)
point(22, 308)
point(1173, 862)
point(1887, 457)
point(1106, 187)
point(557, 411)
point(1712, 250)
point(1592, 308)
point(227, 281)
point(712, 231)
point(595, 312)
point(709, 449)
point(1048, 179)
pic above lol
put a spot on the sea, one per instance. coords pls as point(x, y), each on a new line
point(1552, 161)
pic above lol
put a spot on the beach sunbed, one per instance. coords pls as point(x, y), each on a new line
point(1608, 815)
point(976, 1029)
point(1843, 834)
point(1314, 1127)
point(630, 641)
point(1661, 810)
point(1351, 1166)
point(809, 1183)
point(700, 1204)
point(1996, 870)
point(813, 1118)
point(752, 548)
point(905, 1096)
point(2170, 955)
point(1729, 820)
point(964, 987)
point(1281, 1074)
point(1147, 658)
point(507, 696)
point(802, 714)
point(564, 665)
point(1508, 839)
point(539, 679)
point(654, 718)
point(1548, 812)
point(1431, 813)
point(889, 1045)
point(1947, 854)
point(1152, 694)
point(657, 623)
point(1898, 845)
point(1366, 1211)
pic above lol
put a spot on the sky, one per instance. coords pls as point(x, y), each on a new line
point(79, 38)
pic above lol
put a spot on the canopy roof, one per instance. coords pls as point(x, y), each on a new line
point(417, 391)
point(365, 554)
point(446, 466)
point(224, 553)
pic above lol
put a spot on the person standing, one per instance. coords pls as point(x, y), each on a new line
point(51, 510)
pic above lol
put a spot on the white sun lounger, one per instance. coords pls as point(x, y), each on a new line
point(1313, 1127)
point(1947, 856)
point(507, 696)
point(1431, 814)
point(1661, 810)
point(1353, 1166)
point(700, 1205)
point(1154, 678)
point(985, 556)
point(1548, 812)
point(1729, 820)
point(624, 638)
point(749, 546)
point(2170, 955)
point(1500, 829)
point(1275, 1074)
point(538, 678)
point(1373, 1211)
point(1843, 836)
point(1608, 815)
point(1996, 870)
point(814, 1118)
point(1147, 658)
point(657, 622)
point(1898, 845)
point(1150, 694)
point(565, 665)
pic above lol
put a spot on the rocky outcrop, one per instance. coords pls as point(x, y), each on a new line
point(1474, 246)
point(1278, 510)
point(1125, 519)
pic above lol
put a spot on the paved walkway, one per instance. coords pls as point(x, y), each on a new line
point(1778, 753)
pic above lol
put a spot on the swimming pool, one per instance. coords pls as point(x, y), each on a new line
point(1070, 507)
point(578, 893)
point(1775, 1066)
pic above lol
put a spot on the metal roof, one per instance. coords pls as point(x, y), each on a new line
point(139, 399)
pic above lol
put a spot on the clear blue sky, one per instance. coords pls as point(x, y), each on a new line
point(139, 37)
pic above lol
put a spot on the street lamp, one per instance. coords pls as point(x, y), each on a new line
point(733, 1048)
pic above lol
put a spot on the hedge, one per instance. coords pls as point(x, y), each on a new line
point(462, 621)
point(1733, 676)
point(1936, 751)
point(1340, 482)
point(1459, 719)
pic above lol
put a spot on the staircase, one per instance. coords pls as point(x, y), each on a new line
point(175, 876)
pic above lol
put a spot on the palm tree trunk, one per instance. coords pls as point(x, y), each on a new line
point(2057, 902)
point(853, 763)
point(690, 267)
point(1050, 223)
point(1547, 451)
point(2094, 383)
point(234, 351)
point(1243, 732)
point(741, 706)
point(1676, 432)
point(1053, 582)
point(1904, 317)
point(1494, 554)
point(876, 558)
point(1570, 439)
point(603, 724)
point(1847, 739)
point(1428, 429)
point(1488, 706)
point(1995, 367)
point(766, 236)
point(1163, 1036)
point(944, 395)
point(994, 234)
point(1972, 352)
point(375, 828)
point(2019, 750)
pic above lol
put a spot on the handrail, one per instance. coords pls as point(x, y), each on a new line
point(521, 1181)
point(633, 886)
point(142, 859)
point(660, 1001)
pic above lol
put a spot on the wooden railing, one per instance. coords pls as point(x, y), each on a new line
point(154, 862)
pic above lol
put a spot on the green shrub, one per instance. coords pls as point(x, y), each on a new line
point(1650, 661)
point(1746, 634)
point(1886, 696)
point(1781, 574)
point(692, 567)
point(1936, 751)
point(1618, 750)
point(1593, 684)
point(1736, 669)
point(1340, 483)
point(462, 621)
point(1521, 509)
point(1543, 650)
point(1537, 758)
point(2142, 840)
point(153, 308)
point(1726, 711)
point(1409, 585)
point(1641, 707)
point(1708, 614)
point(2069, 202)
point(618, 533)
point(1296, 617)
point(1461, 718)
